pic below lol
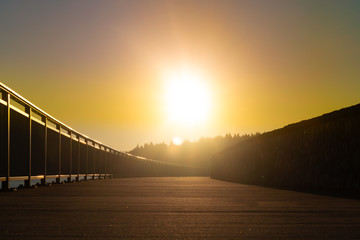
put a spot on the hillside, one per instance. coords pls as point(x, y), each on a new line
point(320, 154)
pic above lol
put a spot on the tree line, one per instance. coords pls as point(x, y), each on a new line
point(196, 154)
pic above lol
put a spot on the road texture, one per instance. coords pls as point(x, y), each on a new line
point(174, 208)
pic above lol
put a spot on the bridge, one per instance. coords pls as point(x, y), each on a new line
point(36, 146)
point(139, 198)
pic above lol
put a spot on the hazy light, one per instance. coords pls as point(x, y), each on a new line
point(187, 99)
point(177, 141)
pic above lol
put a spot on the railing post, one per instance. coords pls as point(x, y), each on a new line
point(28, 181)
point(87, 159)
point(98, 160)
point(78, 161)
point(94, 166)
point(104, 160)
point(110, 164)
point(43, 181)
point(105, 165)
point(58, 179)
point(70, 165)
point(107, 169)
point(6, 184)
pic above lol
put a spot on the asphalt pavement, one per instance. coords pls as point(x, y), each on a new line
point(174, 208)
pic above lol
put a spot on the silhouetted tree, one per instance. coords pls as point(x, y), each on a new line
point(189, 153)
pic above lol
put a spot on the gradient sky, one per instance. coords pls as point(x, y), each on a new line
point(98, 66)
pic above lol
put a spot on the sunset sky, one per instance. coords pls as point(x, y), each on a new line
point(115, 70)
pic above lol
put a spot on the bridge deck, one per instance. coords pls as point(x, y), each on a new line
point(174, 208)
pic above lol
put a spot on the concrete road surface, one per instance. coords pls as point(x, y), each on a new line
point(174, 208)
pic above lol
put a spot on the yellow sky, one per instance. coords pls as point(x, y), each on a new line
point(99, 66)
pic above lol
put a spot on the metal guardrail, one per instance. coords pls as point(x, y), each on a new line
point(35, 145)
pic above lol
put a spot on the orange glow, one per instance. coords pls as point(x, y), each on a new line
point(115, 71)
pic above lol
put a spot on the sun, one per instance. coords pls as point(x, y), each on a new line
point(187, 99)
point(177, 141)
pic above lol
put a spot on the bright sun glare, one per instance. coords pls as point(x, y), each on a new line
point(187, 99)
point(177, 141)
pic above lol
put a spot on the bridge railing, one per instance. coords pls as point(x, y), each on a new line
point(35, 145)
